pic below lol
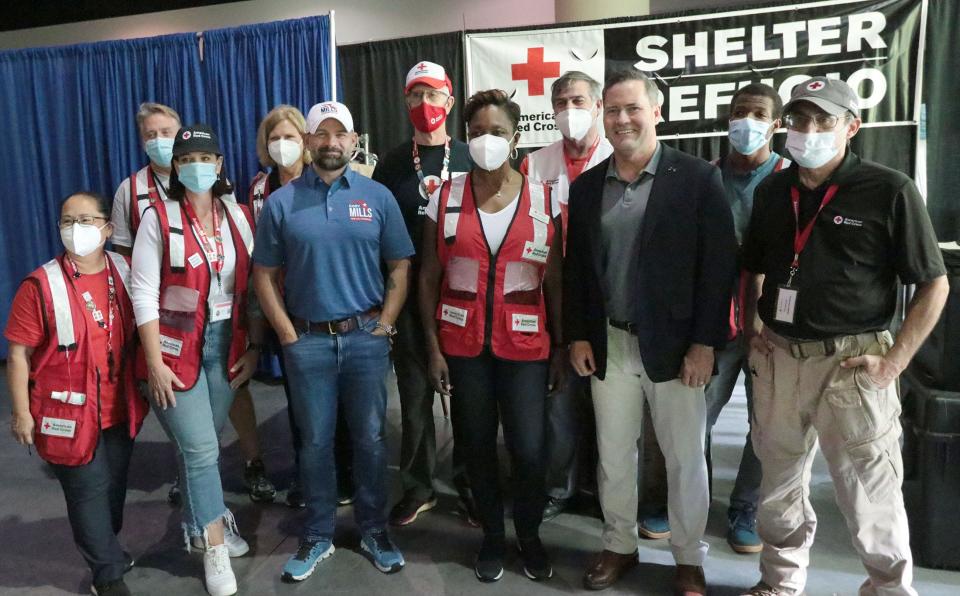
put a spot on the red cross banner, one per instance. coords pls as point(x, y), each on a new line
point(526, 63)
point(699, 60)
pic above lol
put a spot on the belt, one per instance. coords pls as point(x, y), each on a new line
point(624, 326)
point(801, 349)
point(335, 327)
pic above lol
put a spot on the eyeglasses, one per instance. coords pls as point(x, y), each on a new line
point(66, 221)
point(432, 96)
point(802, 121)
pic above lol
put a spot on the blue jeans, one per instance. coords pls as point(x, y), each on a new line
point(95, 493)
point(326, 372)
point(730, 361)
point(194, 427)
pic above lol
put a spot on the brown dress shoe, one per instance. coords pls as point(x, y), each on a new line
point(689, 581)
point(607, 568)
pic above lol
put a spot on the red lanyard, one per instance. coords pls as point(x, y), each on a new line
point(571, 176)
point(444, 172)
point(215, 257)
point(800, 238)
point(97, 314)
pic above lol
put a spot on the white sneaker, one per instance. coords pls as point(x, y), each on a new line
point(236, 545)
point(217, 571)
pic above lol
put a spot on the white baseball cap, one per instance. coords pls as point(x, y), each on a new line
point(428, 73)
point(329, 109)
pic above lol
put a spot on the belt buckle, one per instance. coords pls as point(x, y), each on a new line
point(330, 328)
point(829, 347)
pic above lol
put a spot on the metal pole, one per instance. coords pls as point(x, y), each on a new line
point(333, 57)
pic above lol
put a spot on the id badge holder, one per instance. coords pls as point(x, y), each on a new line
point(221, 307)
point(786, 303)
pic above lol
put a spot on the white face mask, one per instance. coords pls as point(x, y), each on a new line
point(81, 239)
point(575, 123)
point(489, 151)
point(285, 152)
point(812, 149)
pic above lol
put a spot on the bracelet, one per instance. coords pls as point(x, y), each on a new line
point(390, 330)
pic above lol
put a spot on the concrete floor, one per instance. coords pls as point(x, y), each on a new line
point(37, 555)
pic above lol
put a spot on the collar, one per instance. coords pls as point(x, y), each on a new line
point(312, 179)
point(769, 164)
point(651, 167)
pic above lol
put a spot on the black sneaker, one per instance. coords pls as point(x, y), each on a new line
point(173, 495)
point(536, 564)
point(259, 487)
point(116, 587)
point(554, 508)
point(295, 495)
point(406, 511)
point(489, 565)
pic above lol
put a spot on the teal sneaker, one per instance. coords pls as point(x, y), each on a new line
point(301, 565)
point(654, 526)
point(742, 532)
point(383, 553)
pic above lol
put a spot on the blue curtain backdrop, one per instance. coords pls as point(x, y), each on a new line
point(71, 116)
point(249, 70)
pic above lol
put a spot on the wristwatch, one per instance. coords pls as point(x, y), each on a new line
point(390, 330)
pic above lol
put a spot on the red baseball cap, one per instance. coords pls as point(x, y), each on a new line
point(428, 73)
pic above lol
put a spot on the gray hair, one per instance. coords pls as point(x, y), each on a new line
point(148, 109)
point(632, 74)
point(570, 77)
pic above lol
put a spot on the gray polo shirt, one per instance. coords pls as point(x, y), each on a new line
point(623, 206)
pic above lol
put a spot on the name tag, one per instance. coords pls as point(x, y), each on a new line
point(539, 215)
point(221, 307)
point(58, 427)
point(170, 345)
point(534, 252)
point(69, 397)
point(452, 314)
point(526, 323)
point(195, 260)
point(786, 304)
point(87, 297)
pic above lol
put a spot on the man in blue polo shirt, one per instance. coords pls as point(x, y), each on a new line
point(330, 230)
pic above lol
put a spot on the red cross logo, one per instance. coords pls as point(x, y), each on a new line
point(446, 311)
point(421, 66)
point(47, 426)
point(535, 71)
point(815, 86)
point(529, 250)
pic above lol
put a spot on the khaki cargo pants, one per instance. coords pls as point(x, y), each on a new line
point(802, 395)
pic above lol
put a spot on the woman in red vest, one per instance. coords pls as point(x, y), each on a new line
point(191, 262)
point(490, 270)
point(71, 331)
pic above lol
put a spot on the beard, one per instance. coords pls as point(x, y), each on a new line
point(331, 160)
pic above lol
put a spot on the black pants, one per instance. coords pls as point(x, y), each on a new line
point(95, 493)
point(418, 444)
point(488, 391)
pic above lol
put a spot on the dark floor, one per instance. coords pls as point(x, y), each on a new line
point(37, 555)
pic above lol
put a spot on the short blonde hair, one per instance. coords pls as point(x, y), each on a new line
point(270, 121)
point(148, 109)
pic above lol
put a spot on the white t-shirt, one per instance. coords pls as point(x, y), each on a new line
point(495, 225)
point(120, 213)
point(147, 260)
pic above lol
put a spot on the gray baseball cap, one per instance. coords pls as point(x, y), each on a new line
point(831, 95)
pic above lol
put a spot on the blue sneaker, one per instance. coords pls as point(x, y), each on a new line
point(654, 526)
point(301, 565)
point(383, 553)
point(742, 532)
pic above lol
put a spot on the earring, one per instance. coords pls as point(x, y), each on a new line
point(514, 153)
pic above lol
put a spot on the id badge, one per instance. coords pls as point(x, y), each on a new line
point(786, 304)
point(221, 307)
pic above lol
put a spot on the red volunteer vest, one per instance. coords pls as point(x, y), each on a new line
point(143, 194)
point(512, 280)
point(181, 331)
point(64, 381)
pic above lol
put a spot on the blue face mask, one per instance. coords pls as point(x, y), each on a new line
point(160, 151)
point(747, 136)
point(198, 177)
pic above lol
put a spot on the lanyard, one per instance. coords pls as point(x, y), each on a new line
point(444, 172)
point(569, 162)
point(800, 238)
point(152, 185)
point(97, 314)
point(214, 254)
